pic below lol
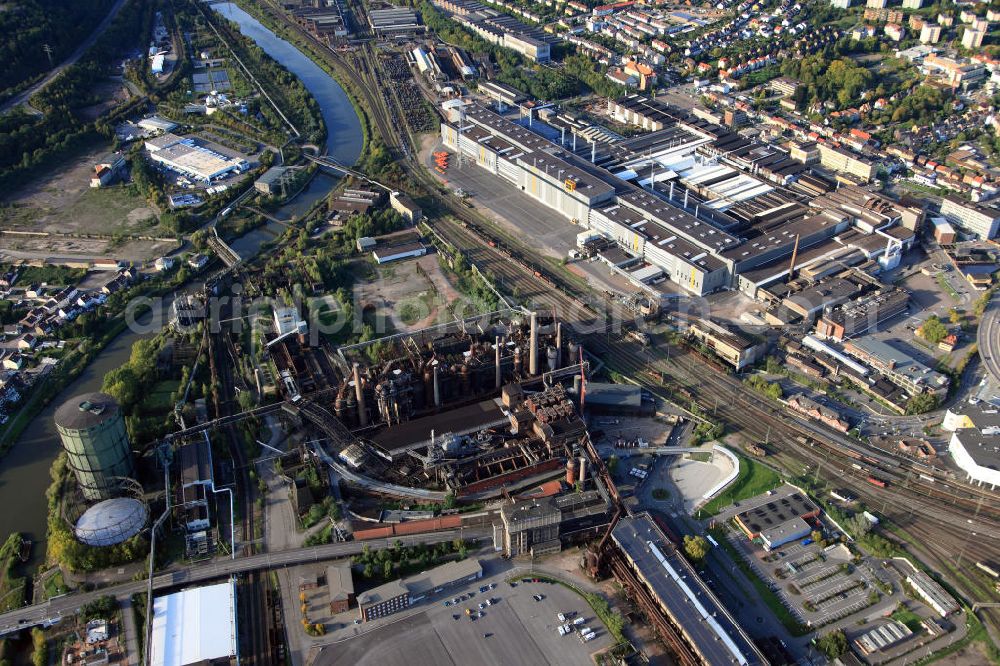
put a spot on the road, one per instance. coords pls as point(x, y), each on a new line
point(988, 338)
point(21, 618)
point(23, 97)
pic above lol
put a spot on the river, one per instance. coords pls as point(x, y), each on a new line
point(24, 470)
point(344, 138)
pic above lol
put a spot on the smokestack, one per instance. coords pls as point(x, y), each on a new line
point(671, 190)
point(574, 142)
point(359, 392)
point(583, 470)
point(437, 388)
point(558, 345)
point(795, 253)
point(593, 152)
point(498, 371)
point(562, 137)
point(533, 349)
point(686, 199)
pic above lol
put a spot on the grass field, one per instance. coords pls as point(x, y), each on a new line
point(752, 480)
point(159, 399)
point(12, 588)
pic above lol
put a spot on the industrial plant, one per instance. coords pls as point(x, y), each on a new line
point(467, 407)
point(108, 506)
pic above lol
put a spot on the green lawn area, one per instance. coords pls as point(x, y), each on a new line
point(55, 585)
point(909, 618)
point(59, 275)
point(753, 479)
point(946, 286)
point(12, 588)
point(159, 398)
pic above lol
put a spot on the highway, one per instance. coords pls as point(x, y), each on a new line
point(13, 621)
point(988, 339)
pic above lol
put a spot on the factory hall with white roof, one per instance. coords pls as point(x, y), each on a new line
point(691, 200)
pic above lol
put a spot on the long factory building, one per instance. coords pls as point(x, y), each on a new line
point(705, 206)
point(682, 595)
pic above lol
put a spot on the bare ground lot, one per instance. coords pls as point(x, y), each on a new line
point(414, 294)
point(64, 202)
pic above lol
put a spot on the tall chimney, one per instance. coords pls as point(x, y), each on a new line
point(533, 350)
point(686, 199)
point(671, 190)
point(593, 152)
point(583, 469)
point(359, 392)
point(574, 142)
point(558, 345)
point(795, 253)
point(498, 371)
point(437, 388)
point(562, 137)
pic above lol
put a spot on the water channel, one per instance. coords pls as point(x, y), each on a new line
point(24, 470)
point(344, 138)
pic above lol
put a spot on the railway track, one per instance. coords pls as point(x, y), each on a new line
point(252, 584)
point(928, 510)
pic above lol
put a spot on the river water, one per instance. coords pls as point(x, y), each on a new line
point(344, 138)
point(24, 470)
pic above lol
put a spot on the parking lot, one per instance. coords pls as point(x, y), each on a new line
point(819, 585)
point(515, 629)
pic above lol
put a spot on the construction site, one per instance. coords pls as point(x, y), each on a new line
point(469, 407)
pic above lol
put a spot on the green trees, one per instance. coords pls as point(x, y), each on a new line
point(39, 648)
point(841, 80)
point(100, 608)
point(832, 644)
point(920, 403)
point(933, 330)
point(770, 389)
point(695, 547)
point(58, 24)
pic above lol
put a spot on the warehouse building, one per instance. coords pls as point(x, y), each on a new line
point(779, 522)
point(340, 586)
point(681, 595)
point(387, 253)
point(502, 93)
point(540, 526)
point(195, 626)
point(398, 595)
point(394, 22)
point(506, 31)
point(691, 201)
point(898, 367)
point(975, 441)
point(185, 156)
point(935, 595)
point(735, 348)
point(844, 161)
point(862, 315)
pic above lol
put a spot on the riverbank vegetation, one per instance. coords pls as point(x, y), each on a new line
point(63, 548)
point(13, 588)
